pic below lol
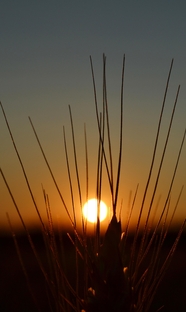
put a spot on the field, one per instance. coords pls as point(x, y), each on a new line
point(15, 296)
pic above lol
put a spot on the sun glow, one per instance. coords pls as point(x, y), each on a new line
point(90, 210)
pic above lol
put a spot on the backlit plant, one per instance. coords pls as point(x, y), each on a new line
point(113, 272)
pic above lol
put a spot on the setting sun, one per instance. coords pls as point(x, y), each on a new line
point(90, 210)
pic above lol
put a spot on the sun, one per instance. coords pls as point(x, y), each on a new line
point(90, 210)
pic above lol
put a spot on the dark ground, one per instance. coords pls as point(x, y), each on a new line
point(15, 296)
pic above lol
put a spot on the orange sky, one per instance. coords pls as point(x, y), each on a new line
point(45, 67)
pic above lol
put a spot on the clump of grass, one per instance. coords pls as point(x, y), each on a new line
point(111, 280)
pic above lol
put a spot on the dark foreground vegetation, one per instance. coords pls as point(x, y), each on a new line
point(14, 291)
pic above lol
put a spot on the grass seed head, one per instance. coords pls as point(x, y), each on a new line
point(117, 273)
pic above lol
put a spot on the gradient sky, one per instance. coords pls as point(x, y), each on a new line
point(45, 48)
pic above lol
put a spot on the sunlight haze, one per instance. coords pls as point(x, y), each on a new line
point(45, 67)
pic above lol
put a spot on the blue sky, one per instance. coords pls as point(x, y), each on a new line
point(45, 49)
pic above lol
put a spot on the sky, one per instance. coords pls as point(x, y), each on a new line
point(45, 67)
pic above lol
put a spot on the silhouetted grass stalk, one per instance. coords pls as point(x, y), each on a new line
point(110, 284)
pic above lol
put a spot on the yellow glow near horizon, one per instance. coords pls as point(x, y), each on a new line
point(90, 210)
